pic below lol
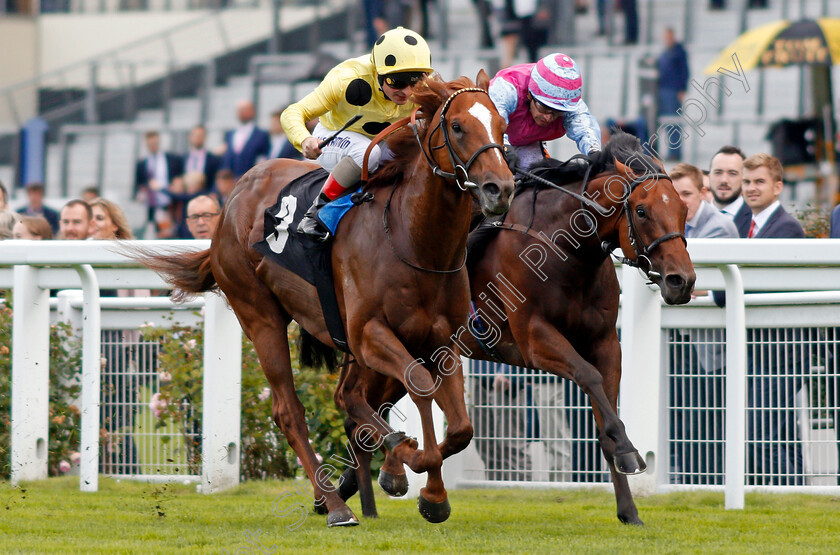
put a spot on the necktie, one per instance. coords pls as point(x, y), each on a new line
point(752, 230)
point(193, 165)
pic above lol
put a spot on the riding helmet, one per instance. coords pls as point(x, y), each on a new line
point(401, 50)
point(556, 82)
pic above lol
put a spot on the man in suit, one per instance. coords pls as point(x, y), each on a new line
point(247, 145)
point(697, 452)
point(725, 174)
point(762, 185)
point(281, 147)
point(199, 159)
point(774, 373)
point(835, 223)
point(36, 206)
point(152, 175)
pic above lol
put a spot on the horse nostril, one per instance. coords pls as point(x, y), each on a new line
point(491, 189)
point(675, 281)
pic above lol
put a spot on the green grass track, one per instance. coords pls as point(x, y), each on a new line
point(53, 516)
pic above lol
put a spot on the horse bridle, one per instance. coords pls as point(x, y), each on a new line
point(460, 173)
point(642, 250)
point(461, 170)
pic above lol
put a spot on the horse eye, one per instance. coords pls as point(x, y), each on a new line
point(641, 212)
point(456, 127)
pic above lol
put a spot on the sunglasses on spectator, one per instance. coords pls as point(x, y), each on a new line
point(399, 81)
point(546, 110)
point(202, 216)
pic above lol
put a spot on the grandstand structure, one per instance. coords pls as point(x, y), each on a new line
point(170, 64)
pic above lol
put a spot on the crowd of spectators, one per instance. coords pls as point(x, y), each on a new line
point(183, 193)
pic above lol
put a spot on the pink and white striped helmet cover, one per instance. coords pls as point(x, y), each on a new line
point(556, 82)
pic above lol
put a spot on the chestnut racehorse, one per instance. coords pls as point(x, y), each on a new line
point(551, 260)
point(398, 268)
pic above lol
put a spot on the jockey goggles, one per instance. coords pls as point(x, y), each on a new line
point(399, 81)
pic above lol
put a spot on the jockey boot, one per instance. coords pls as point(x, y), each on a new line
point(346, 171)
point(310, 225)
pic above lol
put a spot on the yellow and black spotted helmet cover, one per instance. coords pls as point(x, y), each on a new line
point(401, 50)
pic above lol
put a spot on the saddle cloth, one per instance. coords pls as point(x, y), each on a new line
point(303, 255)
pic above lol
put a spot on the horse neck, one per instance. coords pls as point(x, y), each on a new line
point(557, 213)
point(434, 217)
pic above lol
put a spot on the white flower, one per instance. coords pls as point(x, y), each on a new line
point(190, 345)
point(265, 394)
point(164, 377)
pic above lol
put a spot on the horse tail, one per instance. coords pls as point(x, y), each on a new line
point(315, 354)
point(188, 273)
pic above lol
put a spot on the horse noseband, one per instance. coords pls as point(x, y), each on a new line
point(460, 173)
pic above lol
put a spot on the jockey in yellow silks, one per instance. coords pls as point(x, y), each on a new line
point(376, 86)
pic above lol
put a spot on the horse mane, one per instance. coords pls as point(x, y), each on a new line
point(401, 142)
point(623, 147)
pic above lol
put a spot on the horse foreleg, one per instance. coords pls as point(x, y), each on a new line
point(607, 358)
point(551, 351)
point(450, 398)
point(382, 351)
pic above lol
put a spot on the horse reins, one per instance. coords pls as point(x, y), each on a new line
point(641, 249)
point(460, 173)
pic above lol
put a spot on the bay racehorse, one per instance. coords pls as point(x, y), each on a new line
point(398, 269)
point(547, 296)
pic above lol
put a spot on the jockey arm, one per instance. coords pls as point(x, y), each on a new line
point(324, 98)
point(583, 128)
point(505, 98)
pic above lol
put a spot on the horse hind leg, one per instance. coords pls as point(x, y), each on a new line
point(381, 392)
point(265, 324)
point(356, 478)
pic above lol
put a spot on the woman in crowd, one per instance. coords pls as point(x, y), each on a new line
point(33, 228)
point(109, 221)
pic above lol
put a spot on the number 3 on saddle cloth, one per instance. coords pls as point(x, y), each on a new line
point(301, 254)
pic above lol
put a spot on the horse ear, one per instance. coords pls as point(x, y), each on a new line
point(625, 169)
point(482, 81)
point(622, 169)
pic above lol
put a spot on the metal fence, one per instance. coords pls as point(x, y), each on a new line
point(134, 441)
point(530, 426)
point(792, 406)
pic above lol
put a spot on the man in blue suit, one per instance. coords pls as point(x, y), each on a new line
point(774, 371)
point(762, 184)
point(247, 145)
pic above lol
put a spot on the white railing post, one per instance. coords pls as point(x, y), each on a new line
point(91, 374)
point(736, 386)
point(222, 396)
point(30, 377)
point(642, 410)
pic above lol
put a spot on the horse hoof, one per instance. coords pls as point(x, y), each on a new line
point(629, 463)
point(321, 507)
point(348, 485)
point(342, 517)
point(632, 520)
point(395, 485)
point(433, 512)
